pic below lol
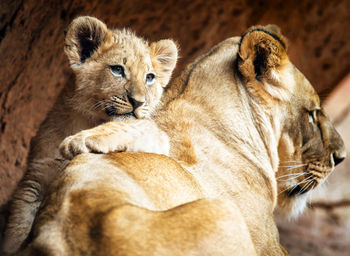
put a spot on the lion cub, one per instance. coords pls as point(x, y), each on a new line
point(118, 77)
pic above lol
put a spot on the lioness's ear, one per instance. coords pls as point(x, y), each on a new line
point(164, 58)
point(261, 50)
point(84, 36)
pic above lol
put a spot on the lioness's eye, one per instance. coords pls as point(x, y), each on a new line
point(150, 78)
point(117, 70)
point(312, 116)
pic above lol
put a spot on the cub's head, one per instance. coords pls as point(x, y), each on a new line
point(308, 145)
point(117, 74)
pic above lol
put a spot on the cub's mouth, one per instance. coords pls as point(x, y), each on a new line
point(117, 106)
point(112, 111)
point(125, 105)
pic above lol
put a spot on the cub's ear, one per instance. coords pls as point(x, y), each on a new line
point(261, 50)
point(164, 57)
point(84, 36)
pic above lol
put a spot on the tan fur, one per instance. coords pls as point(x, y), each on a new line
point(231, 117)
point(97, 96)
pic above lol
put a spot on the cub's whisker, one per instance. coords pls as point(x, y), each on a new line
point(97, 105)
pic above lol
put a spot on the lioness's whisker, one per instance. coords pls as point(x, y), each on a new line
point(305, 180)
point(291, 177)
point(311, 195)
point(292, 174)
point(293, 166)
point(286, 190)
point(313, 186)
point(307, 185)
point(312, 182)
point(291, 162)
point(299, 183)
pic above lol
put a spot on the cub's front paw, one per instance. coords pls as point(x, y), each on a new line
point(85, 142)
point(73, 145)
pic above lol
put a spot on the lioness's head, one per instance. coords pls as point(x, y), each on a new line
point(308, 145)
point(117, 73)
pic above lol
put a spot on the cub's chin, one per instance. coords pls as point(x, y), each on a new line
point(124, 117)
point(106, 115)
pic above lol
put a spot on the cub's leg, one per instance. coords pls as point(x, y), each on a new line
point(130, 136)
point(26, 201)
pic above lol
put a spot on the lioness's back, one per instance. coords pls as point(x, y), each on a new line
point(133, 204)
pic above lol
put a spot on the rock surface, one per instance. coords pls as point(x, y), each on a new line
point(33, 68)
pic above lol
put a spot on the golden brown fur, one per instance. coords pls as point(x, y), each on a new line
point(231, 118)
point(96, 55)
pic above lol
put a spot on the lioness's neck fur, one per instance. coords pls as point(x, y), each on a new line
point(250, 146)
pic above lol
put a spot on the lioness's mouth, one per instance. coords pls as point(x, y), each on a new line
point(297, 190)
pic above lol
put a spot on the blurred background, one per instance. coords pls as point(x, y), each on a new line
point(34, 69)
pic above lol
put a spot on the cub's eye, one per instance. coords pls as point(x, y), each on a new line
point(312, 116)
point(150, 78)
point(117, 70)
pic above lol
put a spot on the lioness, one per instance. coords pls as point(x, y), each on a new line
point(119, 76)
point(231, 117)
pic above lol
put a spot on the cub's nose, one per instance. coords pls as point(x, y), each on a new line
point(135, 104)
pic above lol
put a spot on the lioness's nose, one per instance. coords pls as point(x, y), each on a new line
point(338, 157)
point(339, 153)
point(336, 142)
